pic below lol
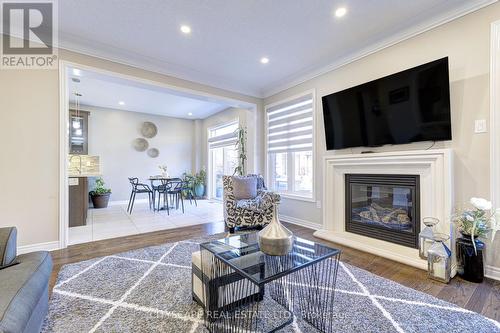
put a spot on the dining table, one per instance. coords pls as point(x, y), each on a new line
point(164, 180)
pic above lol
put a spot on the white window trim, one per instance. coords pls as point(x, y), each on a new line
point(209, 154)
point(291, 195)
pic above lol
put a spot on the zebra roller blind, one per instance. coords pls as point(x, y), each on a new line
point(290, 125)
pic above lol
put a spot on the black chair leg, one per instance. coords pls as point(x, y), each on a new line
point(132, 205)
point(149, 200)
point(194, 198)
point(167, 204)
point(182, 202)
point(130, 201)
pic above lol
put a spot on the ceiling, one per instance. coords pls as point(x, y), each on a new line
point(105, 91)
point(301, 38)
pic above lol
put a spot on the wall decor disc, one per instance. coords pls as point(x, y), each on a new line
point(149, 130)
point(140, 144)
point(153, 152)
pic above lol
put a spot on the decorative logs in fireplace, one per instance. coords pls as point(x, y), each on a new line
point(387, 216)
point(385, 207)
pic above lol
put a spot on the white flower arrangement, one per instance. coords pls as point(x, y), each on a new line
point(478, 221)
point(164, 171)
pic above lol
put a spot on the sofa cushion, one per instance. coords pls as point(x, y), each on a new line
point(22, 288)
point(244, 187)
point(8, 246)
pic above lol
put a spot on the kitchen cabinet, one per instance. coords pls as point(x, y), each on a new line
point(78, 132)
point(78, 201)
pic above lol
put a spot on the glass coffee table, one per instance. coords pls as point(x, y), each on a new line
point(246, 290)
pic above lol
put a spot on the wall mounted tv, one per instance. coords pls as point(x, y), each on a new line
point(409, 106)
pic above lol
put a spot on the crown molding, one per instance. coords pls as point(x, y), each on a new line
point(140, 61)
point(121, 56)
point(309, 74)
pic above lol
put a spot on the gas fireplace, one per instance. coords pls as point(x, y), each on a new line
point(385, 207)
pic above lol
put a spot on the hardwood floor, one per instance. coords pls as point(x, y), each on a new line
point(483, 298)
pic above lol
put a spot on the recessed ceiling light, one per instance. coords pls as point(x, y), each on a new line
point(341, 11)
point(190, 114)
point(186, 29)
point(264, 60)
point(76, 72)
point(121, 102)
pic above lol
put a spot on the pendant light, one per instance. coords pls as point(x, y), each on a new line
point(76, 122)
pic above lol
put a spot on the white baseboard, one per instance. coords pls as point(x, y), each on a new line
point(49, 246)
point(302, 223)
point(492, 272)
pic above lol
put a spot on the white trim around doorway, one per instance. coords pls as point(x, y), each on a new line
point(64, 65)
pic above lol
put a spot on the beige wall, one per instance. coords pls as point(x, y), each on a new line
point(29, 127)
point(466, 42)
point(29, 136)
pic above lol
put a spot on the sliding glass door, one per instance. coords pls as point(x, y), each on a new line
point(224, 161)
point(223, 156)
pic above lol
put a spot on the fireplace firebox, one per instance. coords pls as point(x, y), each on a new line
point(385, 207)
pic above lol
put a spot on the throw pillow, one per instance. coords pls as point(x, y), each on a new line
point(244, 187)
point(8, 246)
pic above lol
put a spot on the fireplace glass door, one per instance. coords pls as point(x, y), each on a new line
point(384, 207)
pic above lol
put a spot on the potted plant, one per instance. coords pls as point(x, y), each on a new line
point(473, 223)
point(199, 180)
point(240, 145)
point(100, 194)
point(196, 182)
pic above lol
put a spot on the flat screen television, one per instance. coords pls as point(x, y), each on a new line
point(409, 106)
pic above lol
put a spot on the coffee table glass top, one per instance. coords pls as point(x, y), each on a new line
point(242, 253)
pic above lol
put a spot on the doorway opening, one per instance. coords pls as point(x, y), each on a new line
point(106, 118)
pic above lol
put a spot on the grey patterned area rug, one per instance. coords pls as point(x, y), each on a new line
point(149, 290)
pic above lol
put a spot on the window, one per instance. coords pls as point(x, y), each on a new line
point(223, 130)
point(290, 135)
point(223, 155)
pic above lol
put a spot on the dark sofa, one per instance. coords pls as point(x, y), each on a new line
point(24, 286)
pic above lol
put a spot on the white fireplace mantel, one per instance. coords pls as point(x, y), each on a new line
point(436, 197)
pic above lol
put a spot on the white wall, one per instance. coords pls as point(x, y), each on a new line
point(111, 133)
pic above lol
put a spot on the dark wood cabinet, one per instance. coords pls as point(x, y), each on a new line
point(78, 201)
point(78, 132)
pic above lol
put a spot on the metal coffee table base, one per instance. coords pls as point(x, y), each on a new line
point(307, 293)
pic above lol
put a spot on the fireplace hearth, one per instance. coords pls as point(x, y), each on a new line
point(385, 207)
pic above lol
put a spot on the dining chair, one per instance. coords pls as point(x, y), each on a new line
point(175, 192)
point(188, 190)
point(163, 190)
point(138, 188)
point(157, 188)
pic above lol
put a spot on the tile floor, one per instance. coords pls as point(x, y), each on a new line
point(114, 221)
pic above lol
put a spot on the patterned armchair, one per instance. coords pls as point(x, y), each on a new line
point(255, 212)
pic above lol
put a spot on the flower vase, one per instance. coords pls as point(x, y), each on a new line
point(470, 261)
point(275, 239)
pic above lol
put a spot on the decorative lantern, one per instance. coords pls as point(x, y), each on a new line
point(439, 259)
point(426, 236)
